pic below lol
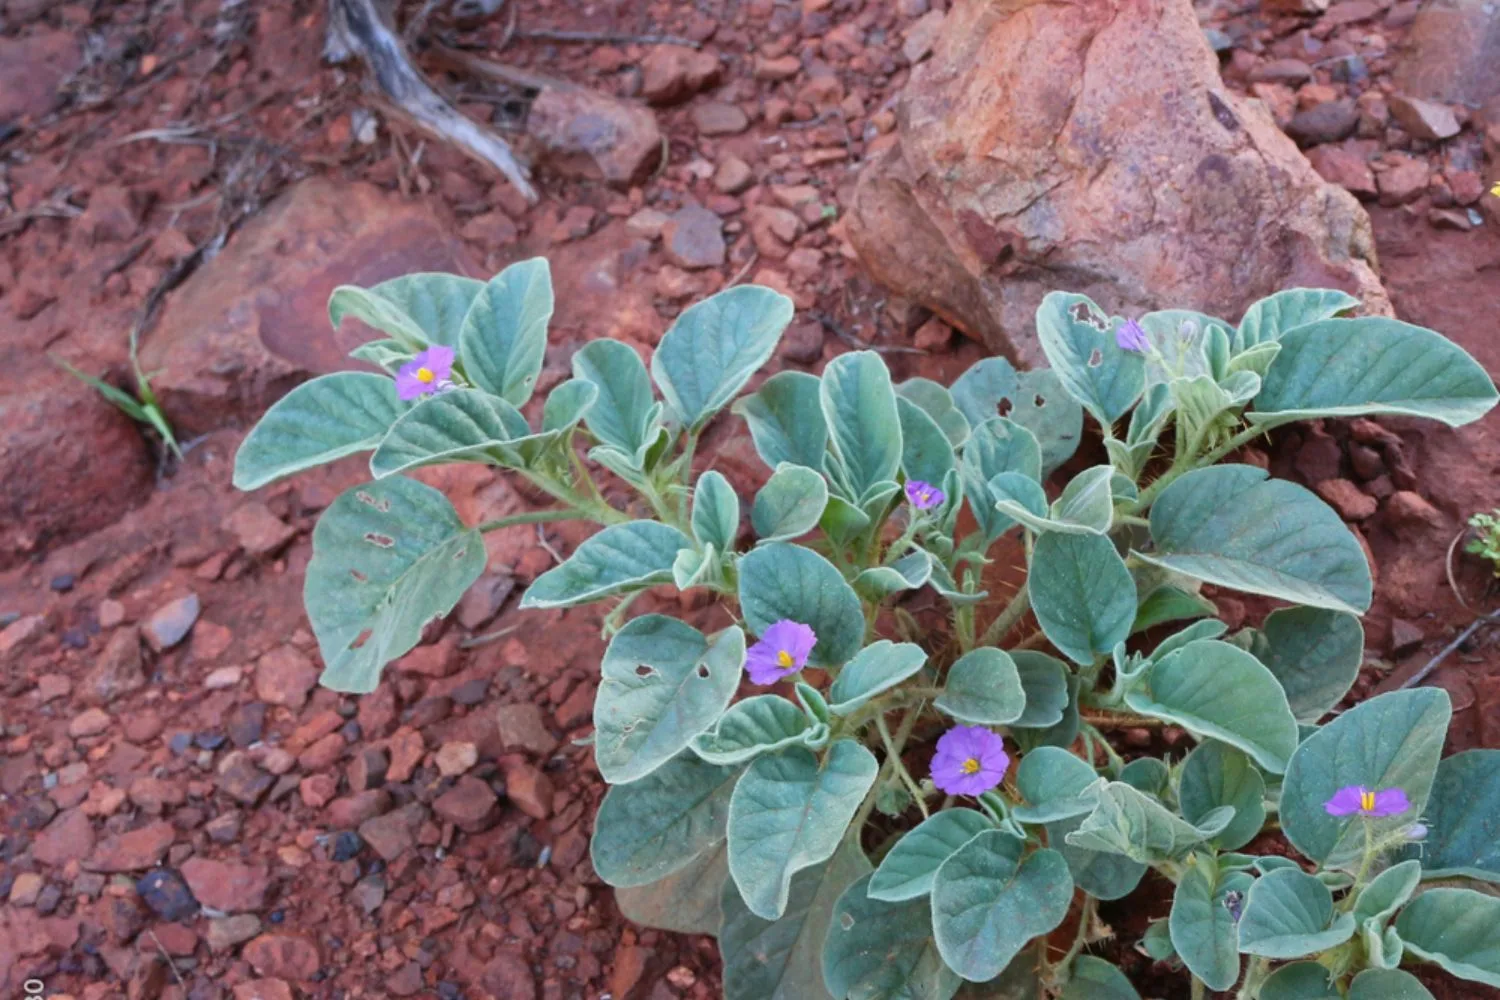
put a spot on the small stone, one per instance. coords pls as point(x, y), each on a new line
point(1328, 122)
point(673, 73)
point(133, 850)
point(352, 810)
point(117, 672)
point(26, 888)
point(773, 229)
point(921, 36)
point(508, 975)
point(522, 728)
point(1408, 509)
point(803, 342)
point(1447, 218)
point(781, 68)
point(154, 795)
point(227, 886)
point(258, 531)
point(50, 687)
point(469, 805)
point(713, 118)
point(407, 750)
point(242, 780)
point(395, 832)
point(1289, 72)
point(1406, 637)
point(647, 223)
point(1347, 498)
point(167, 894)
point(693, 238)
point(282, 956)
point(491, 229)
point(263, 989)
point(529, 789)
point(111, 613)
point(20, 635)
point(68, 838)
point(170, 623)
point(483, 601)
point(227, 932)
point(368, 893)
point(1424, 119)
point(284, 677)
point(1344, 167)
point(346, 845)
point(630, 966)
point(456, 758)
point(1404, 179)
point(368, 768)
point(733, 175)
point(247, 724)
point(932, 335)
point(225, 827)
point(223, 677)
point(90, 722)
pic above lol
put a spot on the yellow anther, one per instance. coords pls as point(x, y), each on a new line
point(784, 659)
point(1367, 801)
point(971, 766)
point(425, 374)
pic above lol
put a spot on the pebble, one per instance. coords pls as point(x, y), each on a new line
point(1328, 122)
point(1424, 119)
point(111, 613)
point(170, 624)
point(20, 635)
point(454, 759)
point(469, 805)
point(522, 728)
point(90, 722)
point(1348, 499)
point(118, 671)
point(394, 833)
point(713, 118)
point(62, 583)
point(368, 893)
point(227, 932)
point(26, 888)
point(134, 850)
point(227, 886)
point(258, 531)
point(223, 677)
point(282, 956)
point(284, 676)
point(50, 687)
point(529, 790)
point(167, 894)
point(1406, 637)
point(733, 175)
point(693, 238)
point(242, 780)
point(1404, 179)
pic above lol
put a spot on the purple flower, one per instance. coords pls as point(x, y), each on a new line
point(924, 496)
point(969, 760)
point(782, 651)
point(1130, 337)
point(425, 373)
point(1357, 799)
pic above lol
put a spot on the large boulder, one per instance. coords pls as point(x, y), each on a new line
point(1452, 53)
point(1092, 147)
point(253, 322)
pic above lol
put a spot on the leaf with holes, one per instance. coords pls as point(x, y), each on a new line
point(1348, 367)
point(786, 420)
point(757, 725)
point(1393, 740)
point(908, 869)
point(1205, 909)
point(1459, 929)
point(625, 416)
point(319, 421)
point(878, 667)
point(1033, 399)
point(789, 812)
point(1079, 341)
point(388, 557)
point(988, 902)
point(1216, 689)
point(1314, 653)
point(714, 346)
point(983, 688)
point(686, 901)
point(783, 959)
point(1289, 914)
point(1214, 775)
point(663, 684)
point(504, 334)
point(997, 446)
point(1463, 819)
point(1273, 316)
point(790, 504)
point(880, 950)
point(648, 829)
point(1233, 526)
point(620, 558)
point(780, 581)
point(1082, 593)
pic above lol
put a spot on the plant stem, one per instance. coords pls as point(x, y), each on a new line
point(1244, 437)
point(895, 753)
point(1006, 620)
point(1255, 978)
point(1085, 918)
point(534, 517)
point(1198, 991)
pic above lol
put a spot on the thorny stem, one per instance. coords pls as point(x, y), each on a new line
point(1006, 620)
point(901, 771)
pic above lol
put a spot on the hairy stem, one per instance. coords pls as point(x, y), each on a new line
point(1007, 619)
point(535, 517)
point(1255, 978)
point(901, 771)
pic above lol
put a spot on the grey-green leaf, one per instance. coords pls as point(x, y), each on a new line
point(1214, 775)
point(1128, 822)
point(1273, 316)
point(1033, 399)
point(983, 688)
point(1233, 526)
point(907, 573)
point(714, 346)
point(1289, 914)
point(1390, 741)
point(663, 684)
point(1373, 364)
point(716, 512)
point(1079, 341)
point(684, 902)
point(1101, 874)
point(996, 446)
point(937, 402)
point(988, 902)
point(878, 667)
point(908, 869)
point(1096, 979)
point(625, 414)
point(436, 302)
point(388, 557)
point(1202, 924)
point(1044, 682)
point(620, 558)
point(1300, 981)
point(375, 310)
point(1463, 819)
point(786, 420)
point(926, 453)
point(790, 504)
point(1459, 929)
point(859, 405)
point(1056, 784)
point(789, 812)
point(1387, 984)
point(504, 334)
point(461, 425)
point(757, 725)
point(1315, 654)
point(1082, 593)
point(783, 959)
point(1219, 690)
point(1387, 892)
point(648, 829)
point(567, 404)
point(879, 950)
point(319, 421)
point(780, 581)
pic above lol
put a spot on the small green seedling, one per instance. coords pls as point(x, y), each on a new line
point(1486, 541)
point(142, 407)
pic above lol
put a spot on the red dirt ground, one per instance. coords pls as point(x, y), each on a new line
point(215, 749)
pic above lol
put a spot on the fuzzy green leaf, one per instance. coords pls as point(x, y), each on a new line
point(714, 346)
point(878, 667)
point(1273, 316)
point(983, 689)
point(1079, 341)
point(1082, 593)
point(504, 334)
point(648, 829)
point(790, 504)
point(1202, 924)
point(786, 420)
point(757, 725)
point(1289, 914)
point(907, 871)
point(1314, 653)
point(1463, 819)
point(859, 405)
point(1214, 775)
point(686, 901)
point(780, 581)
point(617, 559)
point(319, 421)
point(879, 950)
point(625, 417)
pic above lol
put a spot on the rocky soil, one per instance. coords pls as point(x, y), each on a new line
point(183, 812)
